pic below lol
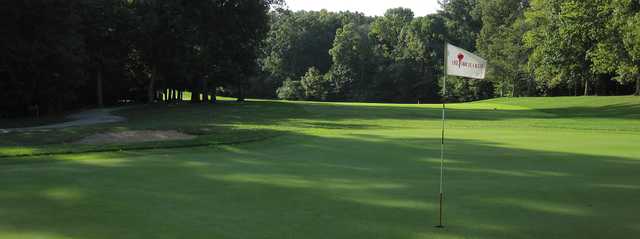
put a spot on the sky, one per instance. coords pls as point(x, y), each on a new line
point(368, 7)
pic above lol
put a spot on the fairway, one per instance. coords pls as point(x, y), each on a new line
point(564, 167)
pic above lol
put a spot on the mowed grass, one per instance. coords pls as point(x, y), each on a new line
point(516, 168)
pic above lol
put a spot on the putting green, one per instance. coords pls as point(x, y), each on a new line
point(565, 167)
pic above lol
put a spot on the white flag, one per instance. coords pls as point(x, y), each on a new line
point(463, 63)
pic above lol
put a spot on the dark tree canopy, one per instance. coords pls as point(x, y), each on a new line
point(61, 54)
point(57, 55)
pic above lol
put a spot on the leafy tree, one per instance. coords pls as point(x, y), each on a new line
point(573, 43)
point(57, 55)
point(579, 27)
point(346, 46)
point(386, 31)
point(618, 50)
point(340, 80)
point(542, 38)
point(500, 42)
point(241, 37)
point(393, 78)
point(41, 49)
point(298, 41)
point(291, 90)
point(422, 42)
point(157, 39)
point(107, 27)
point(463, 22)
point(350, 53)
point(314, 85)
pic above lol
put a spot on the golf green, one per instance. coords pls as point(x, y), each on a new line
point(565, 167)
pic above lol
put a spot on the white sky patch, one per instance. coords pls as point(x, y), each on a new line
point(368, 7)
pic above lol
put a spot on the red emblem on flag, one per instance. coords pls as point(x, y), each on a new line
point(460, 57)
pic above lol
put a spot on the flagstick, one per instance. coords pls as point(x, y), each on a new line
point(442, 163)
point(444, 101)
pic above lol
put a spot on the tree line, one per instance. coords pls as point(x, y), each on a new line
point(61, 54)
point(57, 55)
point(534, 48)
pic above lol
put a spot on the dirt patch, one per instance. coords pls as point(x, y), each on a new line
point(135, 136)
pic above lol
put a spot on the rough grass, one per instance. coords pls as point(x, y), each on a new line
point(516, 168)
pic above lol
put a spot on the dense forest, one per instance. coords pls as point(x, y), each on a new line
point(57, 55)
point(534, 48)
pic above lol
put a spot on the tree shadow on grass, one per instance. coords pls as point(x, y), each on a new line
point(212, 120)
point(270, 112)
point(301, 186)
point(477, 112)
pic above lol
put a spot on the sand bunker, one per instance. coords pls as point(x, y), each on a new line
point(135, 136)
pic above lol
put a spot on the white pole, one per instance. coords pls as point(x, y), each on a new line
point(442, 140)
point(442, 147)
point(444, 101)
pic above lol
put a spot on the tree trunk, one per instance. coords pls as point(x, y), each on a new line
point(205, 91)
point(151, 89)
point(99, 99)
point(637, 86)
point(240, 94)
point(195, 90)
point(529, 84)
point(423, 73)
point(193, 95)
point(586, 87)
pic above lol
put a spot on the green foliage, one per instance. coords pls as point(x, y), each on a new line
point(42, 51)
point(314, 85)
point(385, 30)
point(580, 42)
point(291, 90)
point(341, 80)
point(351, 58)
point(58, 55)
point(347, 46)
point(464, 22)
point(409, 56)
point(393, 58)
point(500, 42)
point(617, 49)
point(298, 41)
point(396, 57)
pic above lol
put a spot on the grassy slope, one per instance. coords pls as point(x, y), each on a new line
point(517, 168)
point(212, 123)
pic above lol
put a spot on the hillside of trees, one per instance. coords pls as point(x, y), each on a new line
point(57, 55)
point(534, 48)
